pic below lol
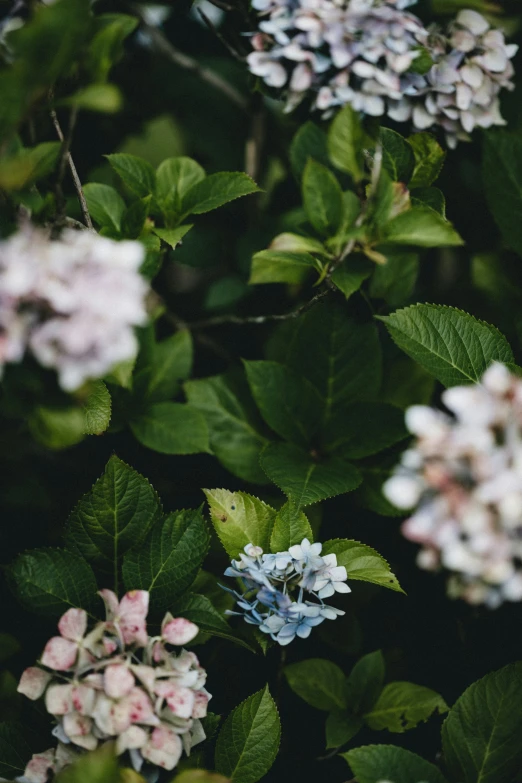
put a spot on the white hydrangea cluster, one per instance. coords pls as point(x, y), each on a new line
point(464, 476)
point(71, 302)
point(115, 683)
point(364, 52)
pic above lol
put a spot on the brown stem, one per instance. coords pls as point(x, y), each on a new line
point(221, 38)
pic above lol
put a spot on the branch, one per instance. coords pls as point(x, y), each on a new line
point(221, 38)
point(66, 159)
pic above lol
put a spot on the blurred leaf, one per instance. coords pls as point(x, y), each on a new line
point(172, 236)
point(134, 217)
point(171, 428)
point(99, 766)
point(295, 243)
point(375, 763)
point(135, 172)
point(107, 45)
point(362, 562)
point(105, 98)
point(341, 727)
point(280, 266)
point(423, 227)
point(429, 159)
point(322, 198)
point(290, 527)
point(225, 292)
point(174, 178)
point(395, 280)
point(8, 646)
point(430, 197)
point(216, 190)
point(168, 363)
point(502, 176)
point(363, 428)
point(402, 705)
point(199, 776)
point(345, 143)
point(29, 165)
point(398, 158)
point(15, 751)
point(105, 205)
point(57, 428)
point(351, 274)
point(97, 409)
point(319, 682)
point(308, 142)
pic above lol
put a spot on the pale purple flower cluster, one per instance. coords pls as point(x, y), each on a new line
point(464, 476)
point(115, 683)
point(364, 53)
point(271, 581)
point(71, 302)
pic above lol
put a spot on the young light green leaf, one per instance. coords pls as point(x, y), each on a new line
point(172, 236)
point(451, 345)
point(167, 363)
point(402, 706)
point(99, 766)
point(422, 227)
point(105, 205)
point(502, 177)
point(398, 158)
point(363, 428)
point(105, 98)
point(289, 404)
point(249, 740)
point(200, 610)
point(295, 243)
point(304, 479)
point(113, 517)
point(57, 428)
point(97, 409)
point(351, 274)
point(28, 165)
point(322, 198)
point(168, 561)
point(15, 751)
point(216, 190)
point(345, 143)
point(240, 519)
point(341, 727)
point(135, 172)
point(319, 682)
point(171, 428)
point(50, 581)
point(290, 527)
point(233, 423)
point(429, 158)
point(281, 266)
point(365, 683)
point(174, 178)
point(482, 735)
point(375, 763)
point(107, 45)
point(362, 562)
point(308, 142)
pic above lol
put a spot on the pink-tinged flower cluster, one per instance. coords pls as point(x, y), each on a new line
point(71, 302)
point(115, 683)
point(464, 477)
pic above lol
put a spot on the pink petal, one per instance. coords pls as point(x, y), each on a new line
point(58, 699)
point(179, 631)
point(38, 768)
point(145, 674)
point(111, 603)
point(133, 737)
point(118, 681)
point(33, 682)
point(59, 654)
point(83, 699)
point(111, 717)
point(201, 700)
point(163, 747)
point(140, 705)
point(179, 698)
point(73, 624)
point(76, 725)
point(132, 615)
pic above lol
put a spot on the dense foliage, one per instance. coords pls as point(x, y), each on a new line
point(260, 359)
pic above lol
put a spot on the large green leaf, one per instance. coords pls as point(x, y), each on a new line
point(398, 158)
point(308, 142)
point(240, 519)
point(290, 527)
point(345, 143)
point(216, 190)
point(402, 705)
point(113, 517)
point(365, 682)
point(502, 176)
point(166, 364)
point(200, 610)
point(341, 727)
point(174, 178)
point(395, 280)
point(249, 740)
point(105, 205)
point(322, 198)
point(97, 409)
point(99, 766)
point(429, 158)
point(362, 429)
point(233, 423)
point(376, 763)
point(289, 404)
point(168, 561)
point(351, 274)
point(171, 428)
point(362, 562)
point(135, 172)
point(453, 346)
point(319, 682)
point(281, 266)
point(482, 735)
point(15, 751)
point(50, 581)
point(421, 226)
point(106, 46)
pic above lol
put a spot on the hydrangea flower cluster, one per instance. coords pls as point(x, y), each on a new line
point(271, 580)
point(464, 475)
point(364, 53)
point(71, 302)
point(117, 683)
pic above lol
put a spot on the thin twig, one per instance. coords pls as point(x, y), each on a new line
point(223, 6)
point(67, 158)
point(228, 46)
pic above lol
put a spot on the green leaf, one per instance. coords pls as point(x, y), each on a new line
point(375, 763)
point(322, 198)
point(289, 404)
point(105, 98)
point(429, 158)
point(172, 236)
point(29, 165)
point(351, 274)
point(137, 174)
point(240, 519)
point(482, 735)
point(97, 409)
point(113, 517)
point(362, 562)
point(105, 205)
point(398, 158)
point(167, 364)
point(308, 142)
point(502, 177)
point(395, 280)
point(15, 751)
point(9, 646)
point(365, 683)
point(304, 479)
point(281, 266)
point(341, 727)
point(295, 243)
point(363, 428)
point(99, 766)
point(57, 428)
point(345, 143)
point(200, 776)
point(290, 527)
point(199, 610)
point(319, 682)
point(107, 45)
point(233, 423)
point(171, 428)
point(216, 190)
point(402, 706)
point(50, 581)
point(134, 217)
point(248, 743)
point(168, 561)
point(430, 197)
point(423, 227)
point(453, 346)
point(174, 178)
